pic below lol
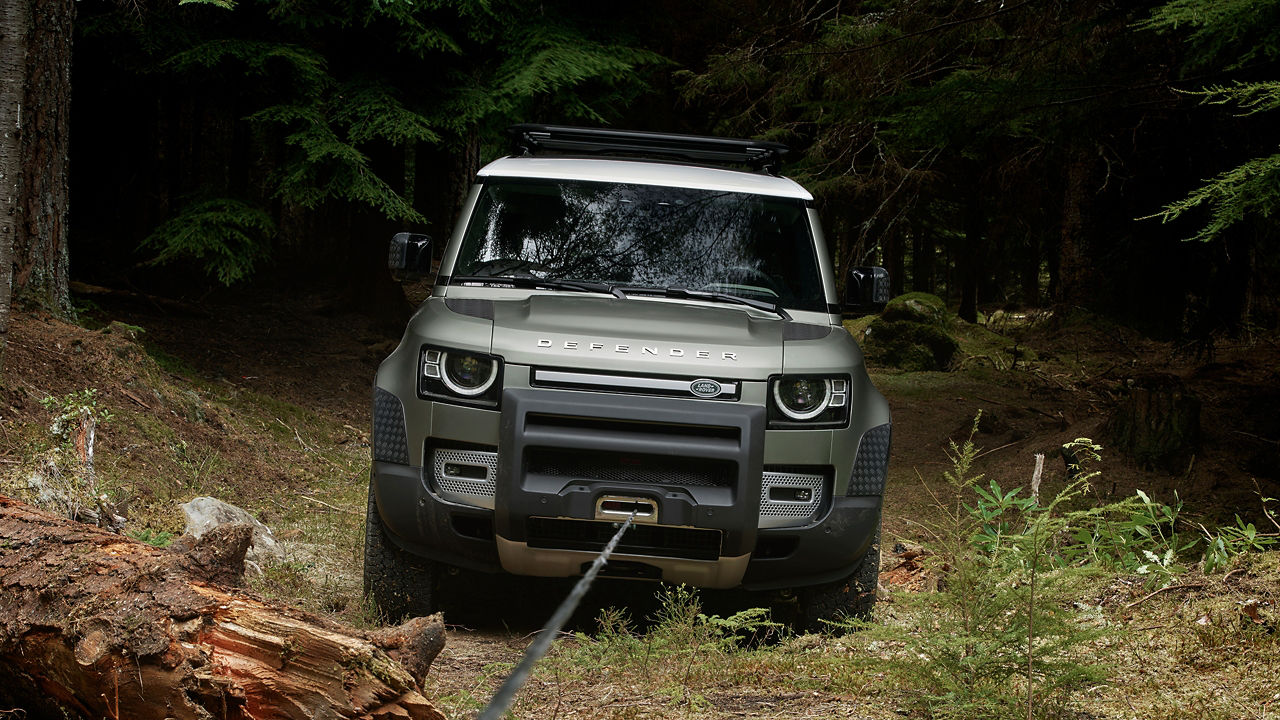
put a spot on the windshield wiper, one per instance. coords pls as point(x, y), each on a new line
point(683, 292)
point(535, 283)
point(620, 291)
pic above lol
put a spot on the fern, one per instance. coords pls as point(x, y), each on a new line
point(227, 237)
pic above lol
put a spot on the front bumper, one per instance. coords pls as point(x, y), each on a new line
point(462, 536)
point(695, 465)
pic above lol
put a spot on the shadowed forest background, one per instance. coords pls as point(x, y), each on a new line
point(1075, 199)
point(1114, 156)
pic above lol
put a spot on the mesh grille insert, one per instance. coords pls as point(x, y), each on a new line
point(790, 498)
point(465, 476)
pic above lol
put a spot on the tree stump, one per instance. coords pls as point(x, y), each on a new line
point(1157, 422)
point(96, 625)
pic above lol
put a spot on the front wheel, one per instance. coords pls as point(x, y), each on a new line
point(398, 583)
point(823, 607)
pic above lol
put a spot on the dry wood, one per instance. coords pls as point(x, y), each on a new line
point(1148, 596)
point(97, 625)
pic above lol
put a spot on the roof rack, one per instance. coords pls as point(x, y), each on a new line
point(540, 139)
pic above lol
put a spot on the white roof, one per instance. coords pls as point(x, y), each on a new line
point(644, 172)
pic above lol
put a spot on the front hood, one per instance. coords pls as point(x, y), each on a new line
point(635, 335)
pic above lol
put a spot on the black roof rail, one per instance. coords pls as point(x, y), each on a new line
point(530, 139)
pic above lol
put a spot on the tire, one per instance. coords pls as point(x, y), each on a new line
point(854, 597)
point(399, 584)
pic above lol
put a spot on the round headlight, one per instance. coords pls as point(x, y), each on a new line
point(802, 398)
point(468, 375)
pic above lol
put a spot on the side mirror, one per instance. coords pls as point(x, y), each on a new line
point(409, 256)
point(866, 290)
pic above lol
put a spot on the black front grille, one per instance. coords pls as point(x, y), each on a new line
point(603, 466)
point(592, 535)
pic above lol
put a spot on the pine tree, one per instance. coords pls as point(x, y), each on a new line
point(1231, 37)
point(341, 99)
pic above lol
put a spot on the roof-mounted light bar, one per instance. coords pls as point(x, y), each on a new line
point(543, 139)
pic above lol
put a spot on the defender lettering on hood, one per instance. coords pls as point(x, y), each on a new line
point(641, 350)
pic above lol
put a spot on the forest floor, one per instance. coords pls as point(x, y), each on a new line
point(264, 403)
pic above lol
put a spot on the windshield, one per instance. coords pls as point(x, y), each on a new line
point(644, 236)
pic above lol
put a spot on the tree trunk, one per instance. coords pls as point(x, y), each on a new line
point(1077, 273)
point(1157, 422)
point(14, 21)
point(466, 163)
point(895, 261)
point(95, 625)
point(35, 71)
point(1030, 274)
point(971, 259)
point(923, 259)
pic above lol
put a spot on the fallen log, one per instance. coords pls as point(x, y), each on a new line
point(97, 625)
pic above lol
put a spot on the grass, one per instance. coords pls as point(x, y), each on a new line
point(172, 437)
point(1106, 644)
point(1164, 659)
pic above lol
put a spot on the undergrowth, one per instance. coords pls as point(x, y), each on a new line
point(1015, 625)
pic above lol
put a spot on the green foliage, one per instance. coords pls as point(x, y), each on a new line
point(73, 411)
point(336, 100)
point(1007, 639)
point(160, 539)
point(1135, 535)
point(927, 118)
point(304, 69)
point(1235, 33)
point(65, 479)
point(1231, 541)
point(227, 237)
point(679, 629)
point(1228, 35)
point(1249, 190)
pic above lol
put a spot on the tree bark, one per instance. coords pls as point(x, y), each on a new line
point(14, 21)
point(893, 246)
point(96, 625)
point(1077, 266)
point(1030, 274)
point(36, 74)
point(923, 259)
point(971, 259)
point(1157, 422)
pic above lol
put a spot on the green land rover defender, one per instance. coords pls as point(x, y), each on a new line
point(631, 324)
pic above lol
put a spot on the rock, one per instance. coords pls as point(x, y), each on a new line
point(911, 334)
point(916, 307)
point(205, 513)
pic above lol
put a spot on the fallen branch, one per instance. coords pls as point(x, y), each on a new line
point(163, 303)
point(1148, 596)
point(331, 507)
point(94, 625)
